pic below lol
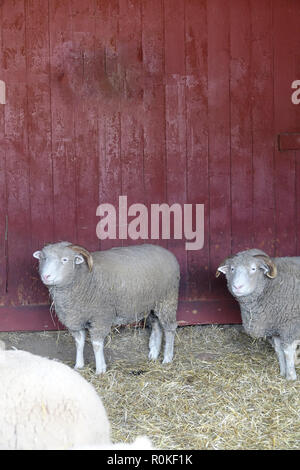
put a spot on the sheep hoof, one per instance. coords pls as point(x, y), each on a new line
point(167, 360)
point(100, 371)
point(153, 355)
point(291, 377)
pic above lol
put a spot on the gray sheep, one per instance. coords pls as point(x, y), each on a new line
point(119, 286)
point(268, 291)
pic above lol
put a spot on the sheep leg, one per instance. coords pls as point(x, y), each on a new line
point(280, 355)
point(166, 314)
point(155, 340)
point(169, 346)
point(79, 337)
point(98, 348)
point(289, 354)
point(297, 358)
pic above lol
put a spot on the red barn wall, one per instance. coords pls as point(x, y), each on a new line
point(176, 101)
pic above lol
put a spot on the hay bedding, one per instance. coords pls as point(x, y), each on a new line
point(222, 391)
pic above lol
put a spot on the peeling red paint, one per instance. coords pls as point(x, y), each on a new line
point(162, 104)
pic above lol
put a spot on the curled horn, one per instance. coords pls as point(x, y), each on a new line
point(272, 267)
point(218, 272)
point(86, 254)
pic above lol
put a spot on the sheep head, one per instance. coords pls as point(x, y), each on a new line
point(58, 261)
point(246, 272)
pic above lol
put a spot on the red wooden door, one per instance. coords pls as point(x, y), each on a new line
point(175, 101)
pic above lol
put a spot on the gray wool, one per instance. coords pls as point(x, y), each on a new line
point(124, 285)
point(273, 309)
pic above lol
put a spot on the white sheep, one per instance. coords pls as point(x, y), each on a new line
point(44, 404)
point(93, 291)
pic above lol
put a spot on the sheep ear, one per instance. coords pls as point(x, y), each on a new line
point(83, 253)
point(79, 259)
point(222, 269)
point(268, 266)
point(37, 254)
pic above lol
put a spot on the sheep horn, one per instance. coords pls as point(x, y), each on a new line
point(271, 265)
point(86, 254)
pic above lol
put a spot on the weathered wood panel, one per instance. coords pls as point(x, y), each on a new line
point(175, 115)
point(18, 228)
point(163, 105)
point(155, 167)
point(39, 132)
point(263, 127)
point(197, 137)
point(285, 29)
point(131, 136)
point(219, 209)
point(109, 115)
point(297, 126)
point(241, 126)
point(3, 198)
point(62, 121)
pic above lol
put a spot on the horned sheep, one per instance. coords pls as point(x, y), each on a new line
point(268, 291)
point(95, 291)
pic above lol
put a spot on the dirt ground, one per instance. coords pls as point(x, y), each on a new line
point(60, 344)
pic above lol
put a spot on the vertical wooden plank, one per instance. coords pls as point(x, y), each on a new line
point(86, 99)
point(154, 106)
point(284, 74)
point(109, 120)
point(197, 137)
point(297, 118)
point(241, 125)
point(263, 126)
point(17, 158)
point(39, 128)
point(110, 186)
point(62, 120)
point(39, 121)
point(175, 100)
point(219, 138)
point(3, 198)
point(130, 56)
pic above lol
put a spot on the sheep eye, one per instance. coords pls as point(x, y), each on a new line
point(64, 260)
point(232, 269)
point(253, 269)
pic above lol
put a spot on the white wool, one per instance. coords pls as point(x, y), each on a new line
point(44, 404)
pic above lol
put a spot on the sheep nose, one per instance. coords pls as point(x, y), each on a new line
point(46, 276)
point(238, 287)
